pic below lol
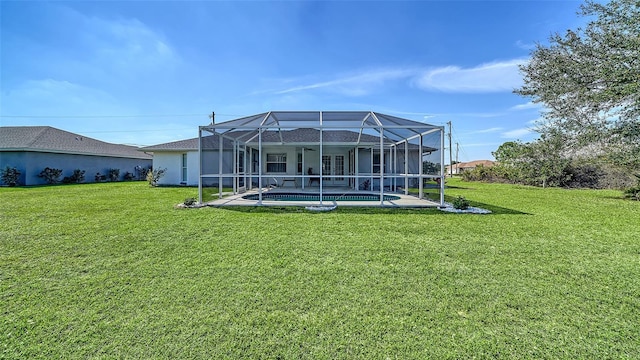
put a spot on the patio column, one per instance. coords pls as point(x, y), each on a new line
point(234, 165)
point(371, 170)
point(248, 162)
point(442, 169)
point(260, 166)
point(392, 170)
point(321, 163)
point(381, 166)
point(406, 167)
point(357, 155)
point(220, 157)
point(421, 185)
point(200, 165)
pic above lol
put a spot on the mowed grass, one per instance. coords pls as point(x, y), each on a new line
point(112, 270)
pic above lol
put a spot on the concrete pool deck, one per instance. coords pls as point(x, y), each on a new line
point(404, 201)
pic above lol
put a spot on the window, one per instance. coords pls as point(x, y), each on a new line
point(184, 168)
point(376, 163)
point(241, 162)
point(276, 163)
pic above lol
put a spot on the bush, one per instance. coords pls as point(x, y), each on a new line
point(142, 172)
point(460, 203)
point(50, 175)
point(75, 178)
point(128, 176)
point(114, 174)
point(582, 175)
point(10, 176)
point(633, 193)
point(154, 175)
point(483, 173)
point(190, 201)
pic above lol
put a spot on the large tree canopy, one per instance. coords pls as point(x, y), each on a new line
point(589, 80)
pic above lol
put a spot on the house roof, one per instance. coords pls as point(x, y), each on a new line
point(49, 139)
point(295, 136)
point(473, 164)
point(393, 128)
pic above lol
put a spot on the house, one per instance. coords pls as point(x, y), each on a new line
point(461, 167)
point(31, 149)
point(317, 150)
point(180, 159)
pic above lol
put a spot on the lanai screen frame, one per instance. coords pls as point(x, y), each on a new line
point(393, 133)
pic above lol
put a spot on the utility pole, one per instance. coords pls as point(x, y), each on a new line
point(213, 117)
point(457, 149)
point(450, 152)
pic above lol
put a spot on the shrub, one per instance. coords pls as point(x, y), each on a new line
point(114, 174)
point(460, 203)
point(482, 173)
point(10, 176)
point(75, 178)
point(190, 201)
point(128, 176)
point(582, 175)
point(50, 175)
point(154, 175)
point(633, 193)
point(142, 172)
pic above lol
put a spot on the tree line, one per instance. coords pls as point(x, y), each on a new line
point(588, 83)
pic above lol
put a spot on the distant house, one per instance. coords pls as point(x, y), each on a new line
point(179, 158)
point(459, 168)
point(30, 149)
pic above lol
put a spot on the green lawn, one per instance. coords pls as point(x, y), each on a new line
point(112, 270)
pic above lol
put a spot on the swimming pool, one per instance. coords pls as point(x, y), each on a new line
point(316, 197)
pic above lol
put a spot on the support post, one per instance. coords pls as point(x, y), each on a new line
point(200, 165)
point(381, 166)
point(406, 167)
point(321, 165)
point(442, 168)
point(260, 166)
point(421, 180)
point(220, 159)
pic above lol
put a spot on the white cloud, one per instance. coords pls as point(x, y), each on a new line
point(525, 46)
point(354, 85)
point(490, 130)
point(527, 106)
point(127, 44)
point(491, 77)
point(517, 133)
point(55, 97)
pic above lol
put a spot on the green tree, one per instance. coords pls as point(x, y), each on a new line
point(589, 82)
point(540, 163)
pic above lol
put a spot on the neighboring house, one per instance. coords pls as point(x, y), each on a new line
point(459, 168)
point(30, 149)
point(180, 159)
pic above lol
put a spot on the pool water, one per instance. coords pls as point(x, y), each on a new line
point(316, 197)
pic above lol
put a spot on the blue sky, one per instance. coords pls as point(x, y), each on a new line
point(148, 72)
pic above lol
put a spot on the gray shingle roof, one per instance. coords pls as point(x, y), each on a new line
point(300, 136)
point(49, 139)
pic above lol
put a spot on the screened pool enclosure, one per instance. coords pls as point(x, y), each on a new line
point(322, 156)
